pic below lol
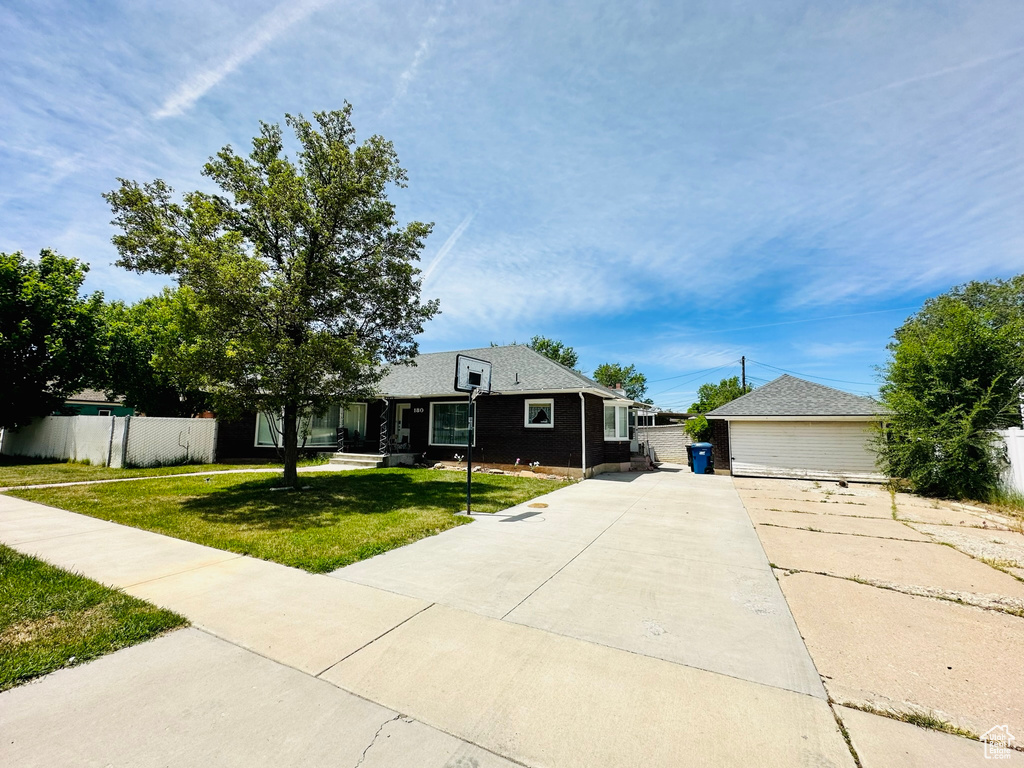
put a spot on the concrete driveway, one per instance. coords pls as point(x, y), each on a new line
point(633, 621)
point(663, 564)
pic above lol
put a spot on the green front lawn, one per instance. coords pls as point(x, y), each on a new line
point(50, 619)
point(342, 517)
point(17, 470)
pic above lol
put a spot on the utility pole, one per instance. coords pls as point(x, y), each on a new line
point(743, 368)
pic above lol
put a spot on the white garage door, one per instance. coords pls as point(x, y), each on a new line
point(819, 450)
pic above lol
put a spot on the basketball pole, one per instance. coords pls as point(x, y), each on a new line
point(469, 453)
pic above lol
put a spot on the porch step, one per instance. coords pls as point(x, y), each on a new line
point(360, 460)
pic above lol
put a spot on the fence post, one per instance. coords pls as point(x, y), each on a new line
point(213, 453)
point(110, 439)
point(124, 440)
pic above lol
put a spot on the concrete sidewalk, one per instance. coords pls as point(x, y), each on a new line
point(634, 622)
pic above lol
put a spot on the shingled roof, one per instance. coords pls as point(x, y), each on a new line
point(790, 396)
point(514, 368)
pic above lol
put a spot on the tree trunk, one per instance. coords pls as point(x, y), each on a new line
point(290, 440)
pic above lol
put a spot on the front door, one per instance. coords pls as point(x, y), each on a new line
point(402, 411)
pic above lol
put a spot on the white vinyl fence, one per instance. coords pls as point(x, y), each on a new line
point(1014, 439)
point(116, 441)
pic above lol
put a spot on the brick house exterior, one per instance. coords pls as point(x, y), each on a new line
point(575, 438)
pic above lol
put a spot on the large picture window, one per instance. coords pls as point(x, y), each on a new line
point(449, 424)
point(616, 422)
point(540, 413)
point(318, 432)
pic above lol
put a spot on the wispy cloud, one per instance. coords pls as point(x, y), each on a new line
point(448, 244)
point(422, 50)
point(910, 81)
point(257, 37)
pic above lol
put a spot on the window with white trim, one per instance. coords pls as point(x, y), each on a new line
point(540, 413)
point(616, 422)
point(449, 424)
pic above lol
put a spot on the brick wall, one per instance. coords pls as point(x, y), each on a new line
point(720, 444)
point(502, 436)
point(236, 440)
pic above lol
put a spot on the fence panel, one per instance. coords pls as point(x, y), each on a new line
point(90, 438)
point(1014, 439)
point(161, 441)
point(138, 441)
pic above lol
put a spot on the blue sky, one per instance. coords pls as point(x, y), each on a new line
point(672, 185)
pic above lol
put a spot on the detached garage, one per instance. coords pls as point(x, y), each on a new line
point(796, 428)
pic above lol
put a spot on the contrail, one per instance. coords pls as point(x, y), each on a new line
point(909, 81)
point(257, 37)
point(453, 238)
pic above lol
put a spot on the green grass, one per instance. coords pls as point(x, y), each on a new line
point(342, 517)
point(51, 619)
point(17, 470)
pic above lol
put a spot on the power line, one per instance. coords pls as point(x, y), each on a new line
point(691, 373)
point(694, 378)
point(812, 376)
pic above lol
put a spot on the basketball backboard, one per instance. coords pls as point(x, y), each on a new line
point(472, 374)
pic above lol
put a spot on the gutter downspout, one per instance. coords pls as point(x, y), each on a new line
point(583, 431)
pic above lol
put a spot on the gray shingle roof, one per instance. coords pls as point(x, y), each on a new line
point(92, 396)
point(790, 396)
point(515, 368)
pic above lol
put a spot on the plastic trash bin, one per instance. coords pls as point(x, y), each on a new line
point(701, 458)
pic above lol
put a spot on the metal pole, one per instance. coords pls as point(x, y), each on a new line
point(469, 454)
point(743, 366)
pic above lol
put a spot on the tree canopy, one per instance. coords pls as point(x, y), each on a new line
point(612, 374)
point(141, 344)
point(953, 376)
point(709, 397)
point(632, 381)
point(49, 334)
point(297, 279)
point(555, 350)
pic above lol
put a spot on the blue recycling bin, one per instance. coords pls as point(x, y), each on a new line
point(701, 458)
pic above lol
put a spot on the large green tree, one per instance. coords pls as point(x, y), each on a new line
point(141, 344)
point(301, 280)
point(709, 397)
point(953, 376)
point(49, 334)
point(632, 381)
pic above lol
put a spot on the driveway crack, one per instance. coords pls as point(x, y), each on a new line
point(376, 736)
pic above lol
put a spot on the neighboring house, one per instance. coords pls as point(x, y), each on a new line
point(92, 402)
point(539, 411)
point(795, 428)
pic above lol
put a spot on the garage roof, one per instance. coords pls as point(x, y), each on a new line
point(790, 396)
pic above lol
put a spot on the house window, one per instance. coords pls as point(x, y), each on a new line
point(318, 432)
point(449, 424)
point(103, 412)
point(268, 430)
point(540, 413)
point(616, 422)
